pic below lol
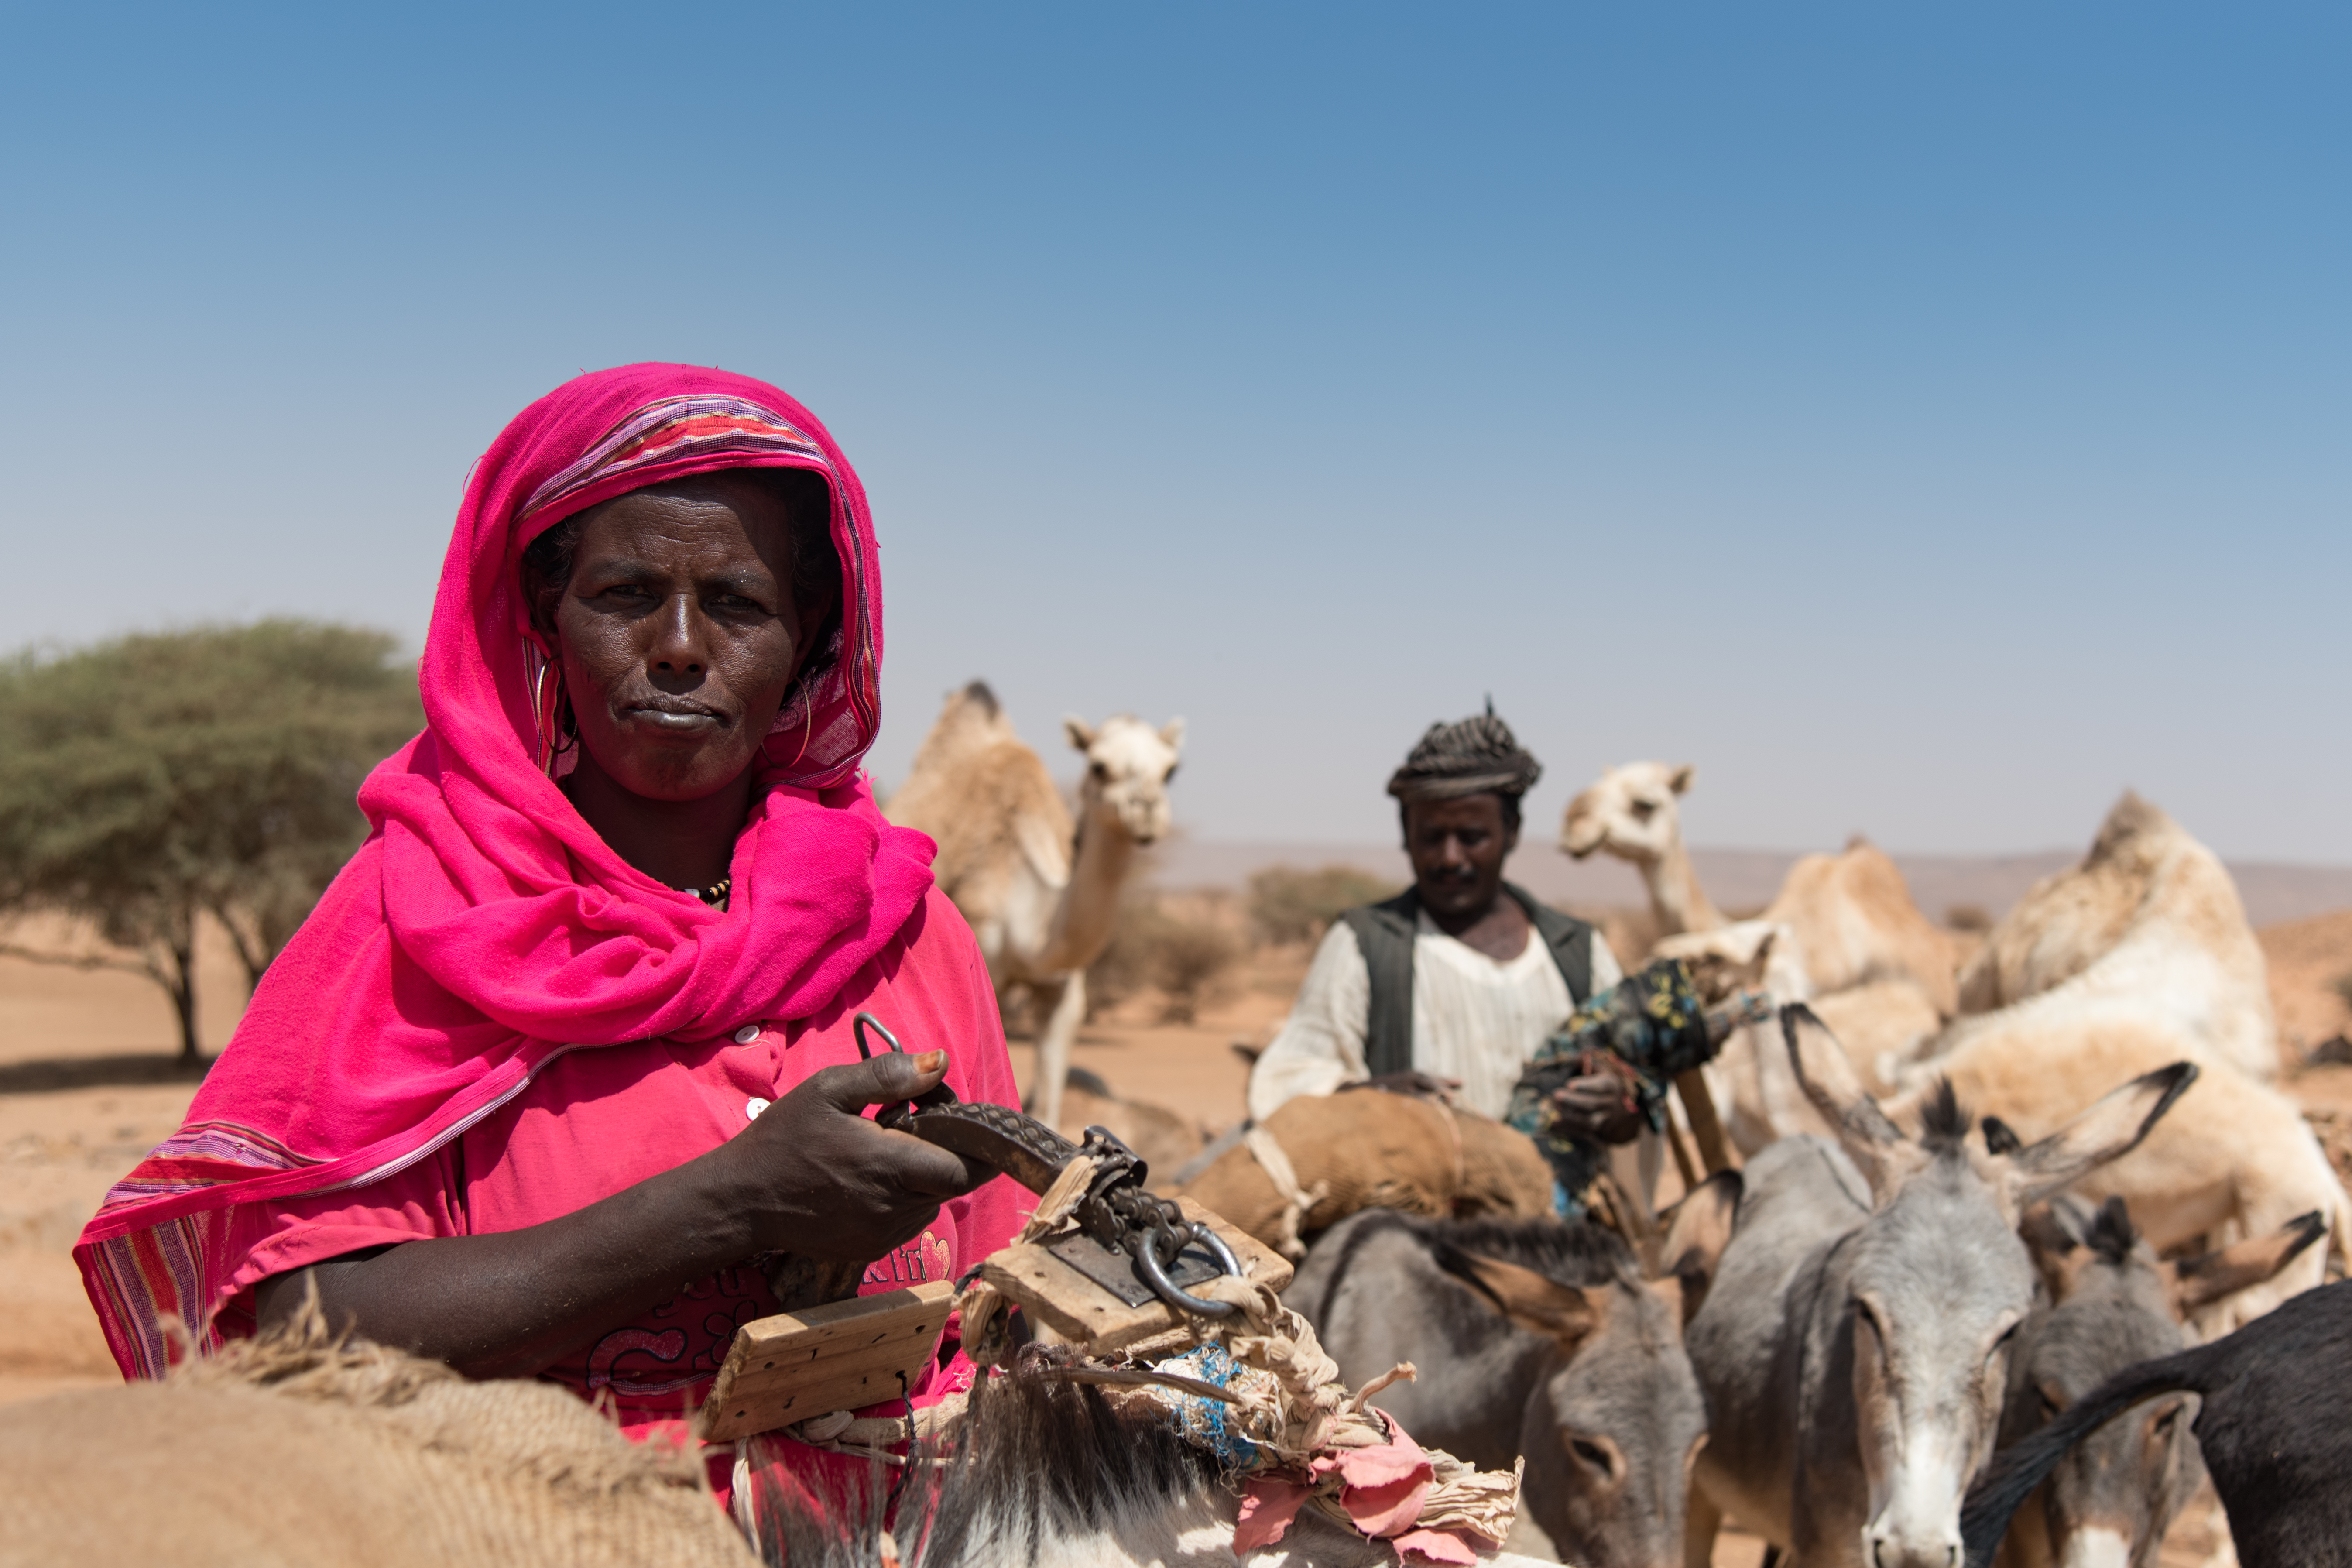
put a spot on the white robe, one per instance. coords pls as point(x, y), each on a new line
point(1473, 1019)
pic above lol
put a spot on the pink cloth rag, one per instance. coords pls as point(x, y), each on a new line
point(1382, 1490)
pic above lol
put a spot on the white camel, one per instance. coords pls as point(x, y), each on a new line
point(1041, 893)
point(2151, 918)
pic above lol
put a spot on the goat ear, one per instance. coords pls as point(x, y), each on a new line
point(2200, 1281)
point(2107, 1131)
point(1679, 781)
point(1698, 1230)
point(1173, 732)
point(1081, 733)
point(1559, 1312)
point(1826, 1075)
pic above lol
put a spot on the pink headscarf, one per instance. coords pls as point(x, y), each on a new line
point(485, 927)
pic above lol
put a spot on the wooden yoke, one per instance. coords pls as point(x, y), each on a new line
point(1064, 1303)
point(844, 1355)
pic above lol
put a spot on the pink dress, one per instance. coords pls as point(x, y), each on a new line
point(595, 1121)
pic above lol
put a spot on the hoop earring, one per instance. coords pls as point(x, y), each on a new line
point(547, 713)
point(808, 719)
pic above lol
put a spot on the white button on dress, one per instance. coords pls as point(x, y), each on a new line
point(752, 1107)
point(747, 1035)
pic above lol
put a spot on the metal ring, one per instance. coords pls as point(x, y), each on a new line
point(1148, 1266)
point(858, 1027)
point(1217, 1247)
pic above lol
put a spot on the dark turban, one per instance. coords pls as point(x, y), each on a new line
point(1475, 756)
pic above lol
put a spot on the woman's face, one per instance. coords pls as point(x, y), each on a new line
point(677, 635)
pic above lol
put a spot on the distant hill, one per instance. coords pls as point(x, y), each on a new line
point(1744, 881)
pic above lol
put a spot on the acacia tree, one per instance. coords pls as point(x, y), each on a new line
point(149, 780)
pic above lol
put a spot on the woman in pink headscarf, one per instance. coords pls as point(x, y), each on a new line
point(567, 1047)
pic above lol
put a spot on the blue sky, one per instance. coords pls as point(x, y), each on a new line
point(1927, 419)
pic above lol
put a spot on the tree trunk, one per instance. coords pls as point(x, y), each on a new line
point(181, 984)
point(253, 949)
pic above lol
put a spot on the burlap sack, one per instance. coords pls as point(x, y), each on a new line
point(1367, 1149)
point(298, 1452)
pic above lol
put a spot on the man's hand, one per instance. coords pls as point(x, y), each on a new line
point(826, 1183)
point(1420, 1085)
point(1598, 1107)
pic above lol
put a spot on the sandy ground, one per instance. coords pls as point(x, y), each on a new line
point(88, 1084)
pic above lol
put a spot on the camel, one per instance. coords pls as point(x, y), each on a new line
point(1040, 891)
point(1632, 813)
point(2150, 918)
point(1877, 970)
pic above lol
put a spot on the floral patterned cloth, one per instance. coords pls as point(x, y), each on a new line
point(1643, 1031)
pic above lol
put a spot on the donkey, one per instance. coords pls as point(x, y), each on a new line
point(1538, 1338)
point(1049, 1473)
point(2111, 1304)
point(1854, 1345)
point(2271, 1426)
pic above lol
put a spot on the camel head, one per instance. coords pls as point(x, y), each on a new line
point(1630, 811)
point(1129, 764)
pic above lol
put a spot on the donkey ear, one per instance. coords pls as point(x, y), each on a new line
point(2107, 1131)
point(1696, 1234)
point(1081, 733)
point(2198, 1282)
point(1826, 1075)
point(1560, 1312)
point(2053, 1233)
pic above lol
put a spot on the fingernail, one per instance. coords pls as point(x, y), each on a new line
point(930, 1061)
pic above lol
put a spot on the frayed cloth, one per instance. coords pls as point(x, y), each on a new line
point(1287, 1432)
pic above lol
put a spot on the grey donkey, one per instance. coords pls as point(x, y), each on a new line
point(1536, 1338)
point(1854, 1346)
point(2108, 1303)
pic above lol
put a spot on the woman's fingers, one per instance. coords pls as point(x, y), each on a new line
point(883, 1080)
point(927, 1169)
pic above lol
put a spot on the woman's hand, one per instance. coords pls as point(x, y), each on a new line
point(809, 1176)
point(818, 1179)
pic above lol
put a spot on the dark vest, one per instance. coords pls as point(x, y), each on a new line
point(1385, 932)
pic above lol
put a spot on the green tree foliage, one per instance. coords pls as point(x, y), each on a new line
point(149, 780)
point(1286, 904)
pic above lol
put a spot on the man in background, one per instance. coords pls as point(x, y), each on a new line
point(1449, 987)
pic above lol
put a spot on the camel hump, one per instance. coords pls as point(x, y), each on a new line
point(978, 695)
point(2131, 818)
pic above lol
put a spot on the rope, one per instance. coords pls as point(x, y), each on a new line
point(1267, 1151)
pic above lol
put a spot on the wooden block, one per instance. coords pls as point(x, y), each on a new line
point(1078, 1310)
point(1260, 1264)
point(844, 1355)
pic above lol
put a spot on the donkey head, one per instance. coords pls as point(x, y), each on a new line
point(1611, 1435)
point(1129, 764)
point(2111, 1304)
point(1937, 1284)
